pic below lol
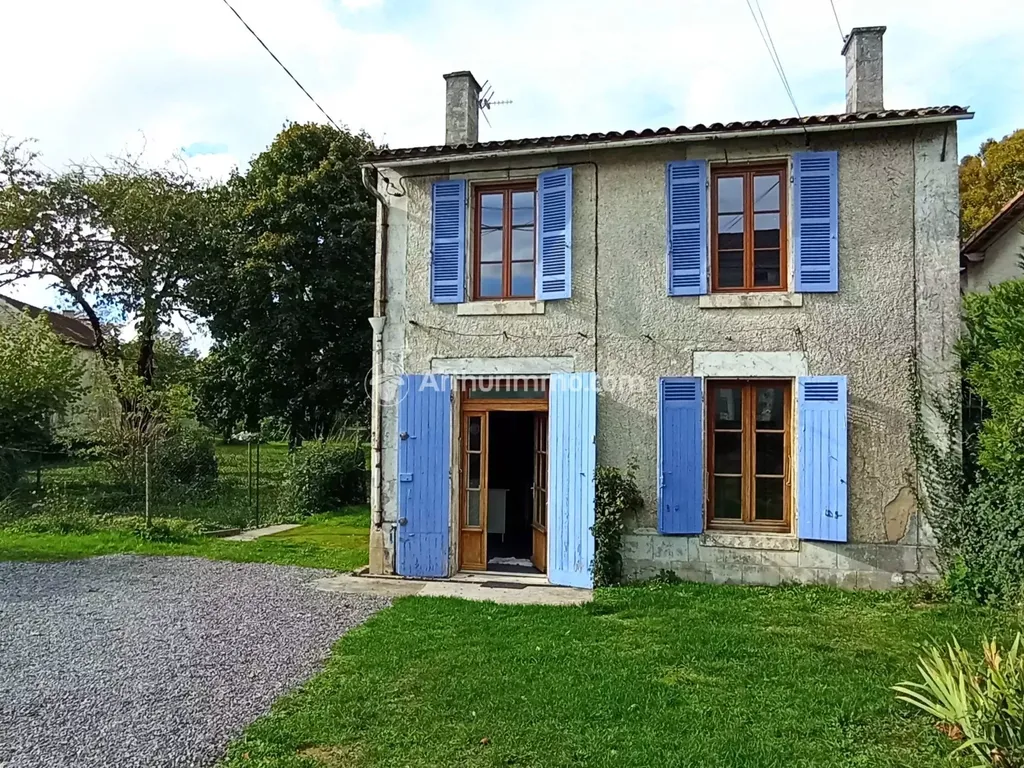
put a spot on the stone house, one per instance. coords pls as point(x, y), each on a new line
point(740, 309)
point(993, 253)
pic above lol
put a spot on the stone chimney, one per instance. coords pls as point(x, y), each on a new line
point(863, 52)
point(461, 108)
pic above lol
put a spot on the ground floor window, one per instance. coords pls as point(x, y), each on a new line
point(749, 438)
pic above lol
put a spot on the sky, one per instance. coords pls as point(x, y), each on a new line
point(91, 79)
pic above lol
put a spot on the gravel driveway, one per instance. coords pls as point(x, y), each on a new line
point(153, 661)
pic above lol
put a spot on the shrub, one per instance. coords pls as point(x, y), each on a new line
point(59, 512)
point(322, 476)
point(987, 564)
point(980, 703)
point(185, 461)
point(617, 496)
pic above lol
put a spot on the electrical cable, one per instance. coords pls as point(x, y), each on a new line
point(838, 24)
point(769, 44)
point(280, 64)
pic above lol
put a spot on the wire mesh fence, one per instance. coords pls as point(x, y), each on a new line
point(236, 487)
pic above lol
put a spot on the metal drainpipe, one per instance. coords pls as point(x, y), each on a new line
point(380, 302)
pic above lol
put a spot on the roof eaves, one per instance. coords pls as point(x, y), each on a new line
point(993, 228)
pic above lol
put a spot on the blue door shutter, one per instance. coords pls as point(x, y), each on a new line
point(448, 242)
point(554, 235)
point(686, 182)
point(572, 468)
point(816, 221)
point(821, 458)
point(424, 461)
point(680, 456)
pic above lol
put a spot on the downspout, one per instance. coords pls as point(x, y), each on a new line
point(380, 303)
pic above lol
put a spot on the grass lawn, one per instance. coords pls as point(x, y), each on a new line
point(688, 675)
point(336, 541)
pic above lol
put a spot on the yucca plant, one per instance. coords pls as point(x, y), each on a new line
point(981, 703)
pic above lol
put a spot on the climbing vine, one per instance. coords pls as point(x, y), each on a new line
point(617, 496)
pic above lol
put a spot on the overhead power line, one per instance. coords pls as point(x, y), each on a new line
point(838, 24)
point(282, 66)
point(769, 44)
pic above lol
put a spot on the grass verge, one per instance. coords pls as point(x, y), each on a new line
point(689, 675)
point(335, 541)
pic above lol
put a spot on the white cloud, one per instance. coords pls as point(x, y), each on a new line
point(89, 79)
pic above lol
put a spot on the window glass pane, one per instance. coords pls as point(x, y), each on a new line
point(474, 471)
point(728, 453)
point(490, 280)
point(490, 210)
point(766, 193)
point(727, 498)
point(730, 195)
point(770, 453)
point(730, 269)
point(490, 244)
point(767, 268)
point(474, 433)
point(473, 509)
point(731, 223)
point(542, 513)
point(771, 408)
point(728, 407)
point(522, 208)
point(522, 278)
point(769, 502)
point(522, 244)
point(766, 230)
point(507, 394)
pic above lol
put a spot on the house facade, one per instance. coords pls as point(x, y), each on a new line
point(749, 313)
point(993, 253)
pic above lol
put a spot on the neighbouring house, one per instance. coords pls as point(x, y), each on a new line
point(993, 253)
point(97, 395)
point(746, 310)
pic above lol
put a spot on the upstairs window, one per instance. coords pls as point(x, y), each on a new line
point(748, 228)
point(504, 263)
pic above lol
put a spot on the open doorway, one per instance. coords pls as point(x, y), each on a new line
point(504, 470)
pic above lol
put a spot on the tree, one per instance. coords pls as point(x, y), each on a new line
point(989, 179)
point(288, 305)
point(174, 361)
point(120, 242)
point(39, 377)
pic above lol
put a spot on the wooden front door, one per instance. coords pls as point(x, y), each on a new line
point(473, 509)
point(540, 492)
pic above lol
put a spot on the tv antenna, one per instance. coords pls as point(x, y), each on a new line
point(486, 100)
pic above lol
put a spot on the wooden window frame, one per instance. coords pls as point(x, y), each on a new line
point(748, 466)
point(506, 188)
point(747, 172)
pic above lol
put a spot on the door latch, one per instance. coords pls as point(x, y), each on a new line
point(403, 521)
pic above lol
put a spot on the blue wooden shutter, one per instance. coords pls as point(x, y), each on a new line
point(821, 460)
point(554, 235)
point(816, 221)
point(686, 182)
point(448, 242)
point(424, 462)
point(680, 456)
point(572, 467)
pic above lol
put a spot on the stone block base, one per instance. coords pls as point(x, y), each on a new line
point(770, 560)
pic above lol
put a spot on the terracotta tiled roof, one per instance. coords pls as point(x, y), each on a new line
point(71, 329)
point(994, 227)
point(582, 139)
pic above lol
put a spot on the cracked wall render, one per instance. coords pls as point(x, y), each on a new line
point(868, 331)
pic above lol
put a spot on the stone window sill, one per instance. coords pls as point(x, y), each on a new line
point(779, 542)
point(492, 308)
point(757, 300)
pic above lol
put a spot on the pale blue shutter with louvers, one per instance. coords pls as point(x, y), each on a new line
point(554, 235)
point(816, 221)
point(686, 182)
point(822, 458)
point(680, 456)
point(448, 242)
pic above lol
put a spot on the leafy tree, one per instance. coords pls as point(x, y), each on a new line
point(120, 242)
point(39, 377)
point(989, 179)
point(289, 303)
point(175, 362)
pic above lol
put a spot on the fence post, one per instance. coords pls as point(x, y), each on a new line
point(39, 472)
point(149, 519)
point(257, 485)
